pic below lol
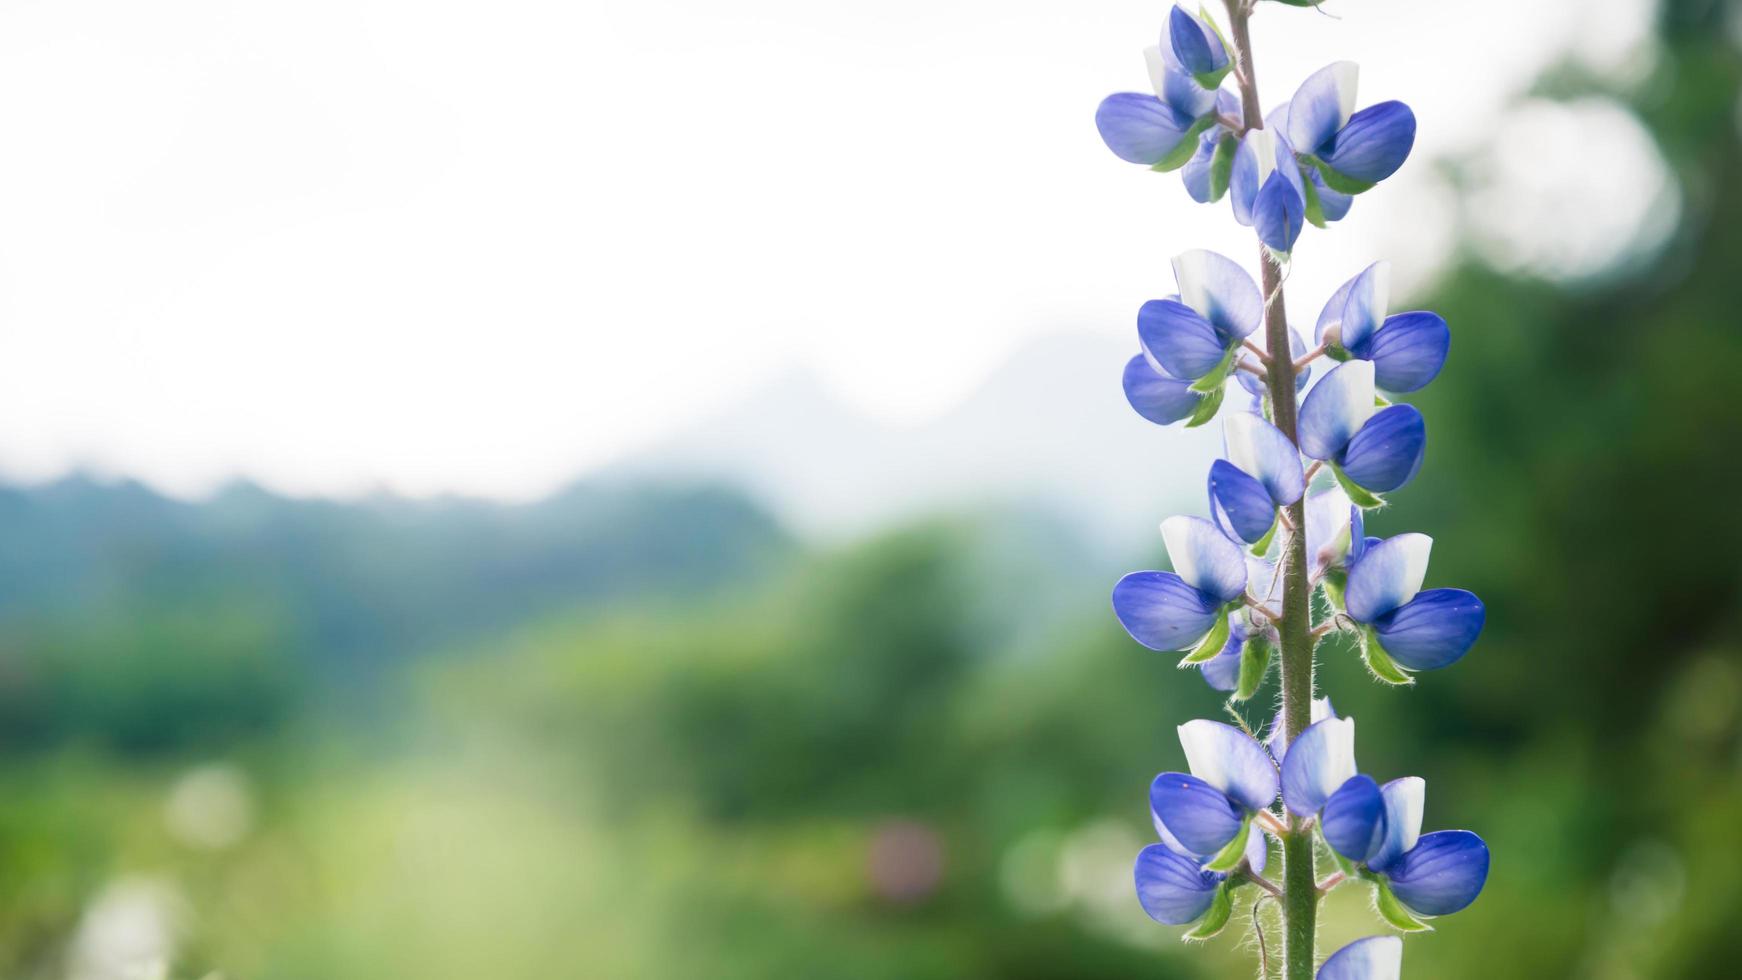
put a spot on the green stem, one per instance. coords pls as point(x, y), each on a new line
point(1300, 881)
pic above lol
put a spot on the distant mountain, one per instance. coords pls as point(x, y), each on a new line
point(372, 579)
point(1050, 426)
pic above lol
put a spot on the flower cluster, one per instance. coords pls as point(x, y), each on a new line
point(1306, 460)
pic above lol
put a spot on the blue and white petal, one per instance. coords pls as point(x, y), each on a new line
point(1336, 408)
point(1353, 817)
point(1277, 739)
point(1138, 128)
point(1264, 583)
point(1278, 214)
point(1230, 760)
point(1317, 764)
point(1374, 144)
point(1155, 396)
point(1324, 103)
point(1204, 557)
point(1196, 47)
point(1239, 504)
point(1388, 575)
point(1408, 351)
point(1161, 611)
point(1388, 451)
point(1334, 205)
point(1255, 385)
point(1404, 801)
point(1433, 630)
point(1173, 889)
point(1366, 304)
point(1176, 88)
point(1257, 850)
point(1222, 672)
point(1179, 342)
point(1260, 449)
point(1373, 958)
point(1197, 172)
point(1198, 815)
point(1221, 292)
point(1332, 314)
point(1442, 874)
point(1327, 528)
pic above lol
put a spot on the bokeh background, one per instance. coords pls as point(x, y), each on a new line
point(631, 490)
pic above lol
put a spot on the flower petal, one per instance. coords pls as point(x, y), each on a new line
point(1179, 342)
point(1317, 764)
point(1155, 396)
point(1204, 557)
point(1257, 850)
point(1373, 958)
point(1442, 874)
point(1277, 740)
point(1138, 128)
point(1279, 214)
point(1374, 144)
point(1388, 450)
point(1230, 760)
point(1336, 408)
point(1220, 291)
point(1196, 47)
point(1433, 630)
point(1352, 817)
point(1404, 801)
point(1173, 889)
point(1197, 173)
point(1161, 611)
point(1366, 304)
point(1327, 533)
point(1239, 503)
point(1322, 106)
point(1332, 314)
point(1264, 581)
point(1199, 816)
point(1222, 672)
point(1334, 205)
point(1388, 575)
point(1260, 449)
point(1408, 351)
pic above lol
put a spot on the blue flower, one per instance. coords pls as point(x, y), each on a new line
point(1419, 630)
point(1194, 335)
point(1222, 672)
point(1174, 610)
point(1373, 958)
point(1407, 349)
point(1352, 150)
point(1209, 811)
point(1262, 472)
point(1194, 46)
point(1152, 130)
point(1320, 779)
point(1267, 192)
point(1176, 889)
point(1375, 450)
point(1333, 527)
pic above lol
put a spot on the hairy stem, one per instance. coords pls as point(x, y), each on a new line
point(1299, 883)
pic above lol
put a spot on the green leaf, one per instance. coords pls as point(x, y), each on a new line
point(1207, 408)
point(1380, 662)
point(1315, 210)
point(1254, 664)
point(1359, 495)
point(1229, 858)
point(1221, 910)
point(1188, 145)
point(1393, 911)
point(1219, 373)
point(1212, 642)
point(1222, 167)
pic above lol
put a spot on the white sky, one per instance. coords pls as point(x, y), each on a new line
point(427, 245)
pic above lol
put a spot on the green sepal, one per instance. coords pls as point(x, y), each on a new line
point(1218, 374)
point(1263, 543)
point(1359, 495)
point(1254, 664)
point(1346, 866)
point(1222, 167)
point(1315, 210)
point(1341, 183)
point(1335, 580)
point(1214, 920)
point(1393, 911)
point(1207, 408)
point(1337, 352)
point(1187, 146)
point(1212, 642)
point(1380, 662)
point(1229, 858)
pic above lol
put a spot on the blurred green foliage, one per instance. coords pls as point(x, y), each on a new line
point(641, 733)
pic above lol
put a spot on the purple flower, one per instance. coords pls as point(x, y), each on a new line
point(1407, 349)
point(1420, 630)
point(1352, 150)
point(1375, 450)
